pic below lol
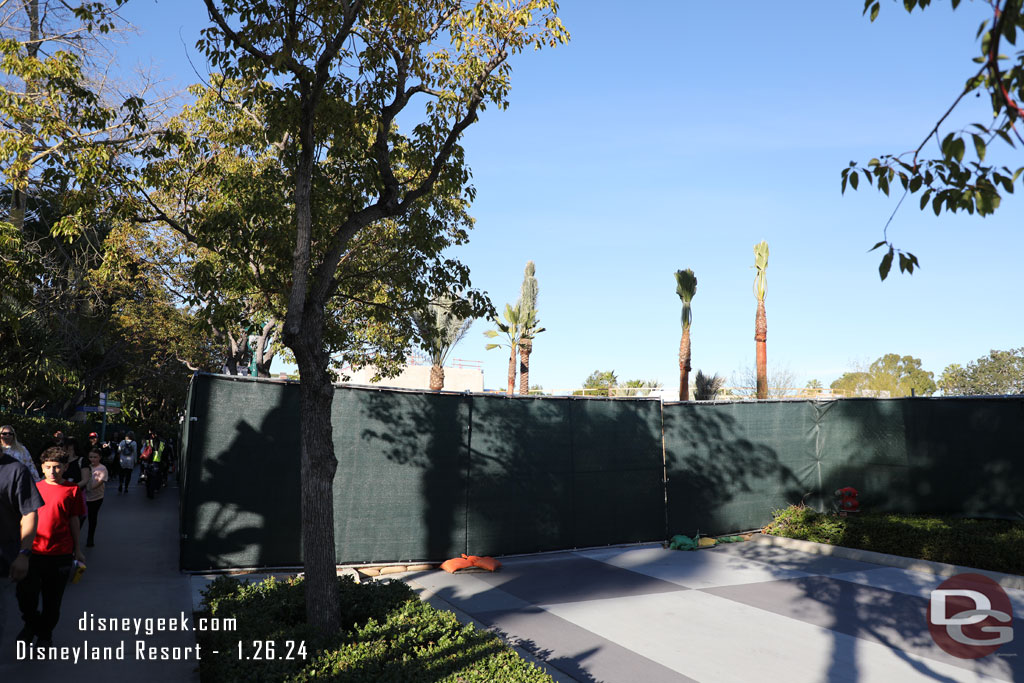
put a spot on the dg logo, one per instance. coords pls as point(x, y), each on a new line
point(970, 616)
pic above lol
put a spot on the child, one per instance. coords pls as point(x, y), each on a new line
point(93, 483)
point(54, 547)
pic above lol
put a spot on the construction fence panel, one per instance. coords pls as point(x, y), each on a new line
point(242, 477)
point(400, 488)
point(730, 464)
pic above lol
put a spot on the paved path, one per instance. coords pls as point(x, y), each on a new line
point(132, 573)
point(739, 612)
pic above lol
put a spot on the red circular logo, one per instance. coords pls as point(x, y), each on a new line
point(970, 616)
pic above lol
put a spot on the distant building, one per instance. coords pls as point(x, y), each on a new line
point(461, 375)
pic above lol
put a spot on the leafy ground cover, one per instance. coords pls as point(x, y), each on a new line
point(994, 544)
point(387, 634)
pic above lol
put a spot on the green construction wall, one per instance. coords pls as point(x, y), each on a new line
point(427, 476)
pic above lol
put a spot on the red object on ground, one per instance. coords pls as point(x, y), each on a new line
point(466, 561)
point(848, 499)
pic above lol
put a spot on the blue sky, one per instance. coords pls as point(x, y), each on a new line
point(679, 134)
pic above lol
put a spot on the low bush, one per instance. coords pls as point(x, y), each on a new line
point(993, 544)
point(387, 634)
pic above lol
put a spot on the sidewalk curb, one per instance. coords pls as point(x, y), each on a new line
point(437, 602)
point(911, 564)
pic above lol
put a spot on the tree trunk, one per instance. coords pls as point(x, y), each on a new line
point(19, 198)
point(436, 378)
point(525, 349)
point(684, 366)
point(512, 370)
point(316, 396)
point(761, 338)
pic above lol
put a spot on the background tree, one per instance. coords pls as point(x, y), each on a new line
point(999, 373)
point(686, 287)
point(813, 384)
point(897, 375)
point(781, 381)
point(440, 330)
point(708, 386)
point(333, 79)
point(854, 383)
point(529, 324)
point(949, 183)
point(761, 320)
point(638, 387)
point(598, 383)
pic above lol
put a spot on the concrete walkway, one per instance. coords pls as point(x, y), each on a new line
point(740, 612)
point(132, 574)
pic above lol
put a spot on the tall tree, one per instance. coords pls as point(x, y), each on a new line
point(529, 324)
point(686, 287)
point(999, 373)
point(512, 328)
point(948, 182)
point(761, 320)
point(439, 330)
point(334, 78)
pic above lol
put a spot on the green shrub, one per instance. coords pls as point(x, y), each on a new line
point(387, 634)
point(994, 544)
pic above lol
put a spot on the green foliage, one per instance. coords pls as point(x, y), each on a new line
point(814, 384)
point(707, 386)
point(761, 264)
point(954, 181)
point(440, 328)
point(686, 288)
point(891, 373)
point(386, 634)
point(36, 433)
point(998, 373)
point(598, 383)
point(981, 543)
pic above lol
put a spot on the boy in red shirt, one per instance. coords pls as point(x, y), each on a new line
point(55, 546)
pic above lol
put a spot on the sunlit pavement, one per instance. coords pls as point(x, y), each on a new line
point(738, 612)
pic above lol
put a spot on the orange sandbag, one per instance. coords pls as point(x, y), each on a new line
point(456, 563)
point(488, 563)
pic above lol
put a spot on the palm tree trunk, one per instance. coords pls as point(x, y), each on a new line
point(684, 366)
point(525, 349)
point(761, 338)
point(512, 371)
point(436, 378)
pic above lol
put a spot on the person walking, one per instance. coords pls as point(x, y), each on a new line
point(55, 546)
point(93, 485)
point(10, 445)
point(19, 502)
point(127, 455)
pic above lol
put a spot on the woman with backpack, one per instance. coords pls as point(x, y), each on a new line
point(127, 455)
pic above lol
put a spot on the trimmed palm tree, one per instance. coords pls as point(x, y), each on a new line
point(529, 325)
point(761, 321)
point(686, 287)
point(513, 333)
point(440, 330)
point(708, 386)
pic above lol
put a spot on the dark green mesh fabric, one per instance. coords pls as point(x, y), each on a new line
point(424, 476)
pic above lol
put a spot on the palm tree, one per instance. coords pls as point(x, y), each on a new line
point(512, 330)
point(440, 329)
point(529, 325)
point(761, 321)
point(686, 287)
point(708, 386)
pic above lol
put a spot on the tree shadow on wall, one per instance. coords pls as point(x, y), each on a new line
point(404, 455)
point(244, 486)
point(723, 476)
